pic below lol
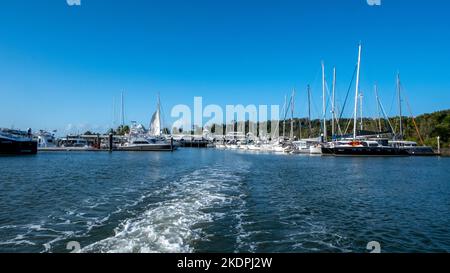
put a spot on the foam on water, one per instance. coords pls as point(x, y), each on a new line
point(173, 225)
point(54, 228)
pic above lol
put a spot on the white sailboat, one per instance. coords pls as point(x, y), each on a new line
point(153, 140)
point(155, 123)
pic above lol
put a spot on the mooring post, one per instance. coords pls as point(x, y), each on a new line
point(111, 142)
point(171, 144)
point(99, 143)
point(439, 144)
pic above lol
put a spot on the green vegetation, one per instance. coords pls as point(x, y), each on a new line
point(120, 131)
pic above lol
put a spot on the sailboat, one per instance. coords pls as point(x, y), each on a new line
point(360, 145)
point(153, 140)
point(411, 147)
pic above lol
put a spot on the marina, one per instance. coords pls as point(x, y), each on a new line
point(245, 133)
point(385, 142)
point(235, 201)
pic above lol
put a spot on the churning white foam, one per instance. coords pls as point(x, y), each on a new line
point(174, 224)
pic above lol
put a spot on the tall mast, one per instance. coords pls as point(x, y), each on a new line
point(357, 92)
point(284, 120)
point(292, 113)
point(122, 113)
point(333, 105)
point(361, 110)
point(400, 105)
point(324, 112)
point(378, 108)
point(309, 110)
point(159, 111)
point(114, 113)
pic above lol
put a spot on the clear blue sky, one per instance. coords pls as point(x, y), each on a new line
point(62, 65)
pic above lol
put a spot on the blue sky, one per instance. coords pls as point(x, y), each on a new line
point(62, 65)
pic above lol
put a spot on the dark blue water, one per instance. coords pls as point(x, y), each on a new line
point(222, 201)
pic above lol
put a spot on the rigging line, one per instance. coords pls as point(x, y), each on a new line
point(314, 106)
point(336, 114)
point(378, 110)
point(163, 118)
point(288, 108)
point(336, 109)
point(414, 120)
point(348, 92)
point(278, 123)
point(394, 96)
point(316, 113)
point(385, 116)
point(348, 126)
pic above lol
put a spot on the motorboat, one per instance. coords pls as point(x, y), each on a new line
point(15, 142)
point(138, 144)
point(45, 139)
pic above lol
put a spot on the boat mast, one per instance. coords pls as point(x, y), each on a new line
point(324, 112)
point(357, 92)
point(309, 111)
point(159, 115)
point(400, 105)
point(361, 110)
point(333, 105)
point(292, 113)
point(114, 113)
point(378, 108)
point(122, 113)
point(284, 120)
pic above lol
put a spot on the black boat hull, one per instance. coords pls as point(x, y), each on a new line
point(364, 151)
point(11, 147)
point(419, 151)
point(148, 148)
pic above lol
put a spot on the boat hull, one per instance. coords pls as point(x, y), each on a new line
point(419, 151)
point(11, 147)
point(316, 150)
point(148, 148)
point(364, 151)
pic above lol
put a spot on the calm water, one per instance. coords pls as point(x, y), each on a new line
point(222, 201)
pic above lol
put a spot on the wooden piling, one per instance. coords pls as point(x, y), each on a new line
point(111, 142)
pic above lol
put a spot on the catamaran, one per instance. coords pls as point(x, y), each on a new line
point(357, 145)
